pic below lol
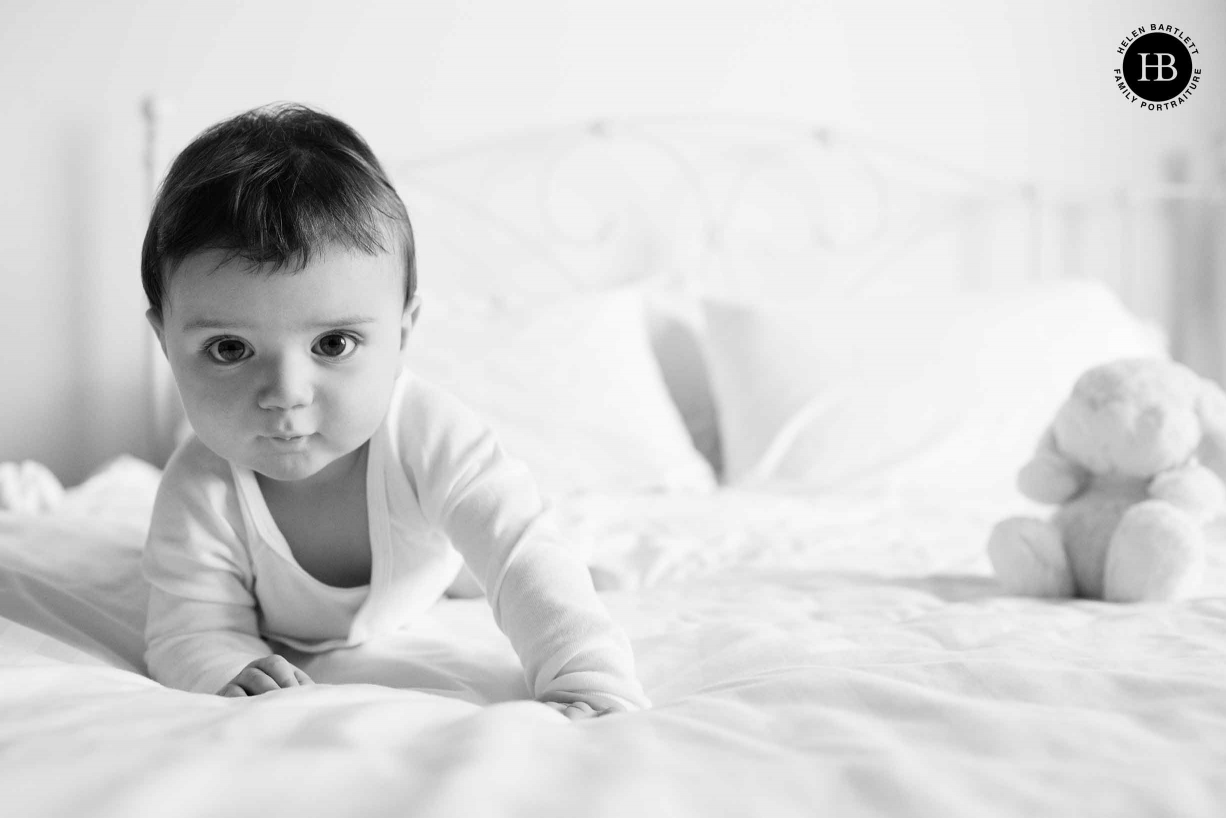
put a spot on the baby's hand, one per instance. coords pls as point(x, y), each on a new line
point(580, 710)
point(262, 675)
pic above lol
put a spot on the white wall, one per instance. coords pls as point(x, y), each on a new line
point(1015, 87)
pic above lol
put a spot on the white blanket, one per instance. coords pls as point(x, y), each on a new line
point(848, 656)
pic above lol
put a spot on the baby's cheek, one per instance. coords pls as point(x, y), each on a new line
point(212, 409)
point(364, 405)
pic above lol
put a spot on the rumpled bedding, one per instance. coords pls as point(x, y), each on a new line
point(843, 655)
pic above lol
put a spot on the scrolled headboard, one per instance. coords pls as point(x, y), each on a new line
point(700, 203)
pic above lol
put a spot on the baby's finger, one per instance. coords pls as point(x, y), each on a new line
point(256, 681)
point(579, 710)
point(279, 670)
point(232, 690)
point(302, 678)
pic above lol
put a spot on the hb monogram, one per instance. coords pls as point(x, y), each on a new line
point(1161, 65)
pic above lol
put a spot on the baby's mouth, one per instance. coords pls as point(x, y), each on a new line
point(288, 440)
point(287, 433)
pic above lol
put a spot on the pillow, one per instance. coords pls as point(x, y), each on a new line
point(956, 387)
point(674, 324)
point(570, 387)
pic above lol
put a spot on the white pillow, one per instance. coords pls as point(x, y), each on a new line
point(955, 387)
point(674, 324)
point(570, 387)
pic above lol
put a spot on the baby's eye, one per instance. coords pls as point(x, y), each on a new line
point(227, 351)
point(335, 345)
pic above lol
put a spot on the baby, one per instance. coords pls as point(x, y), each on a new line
point(329, 496)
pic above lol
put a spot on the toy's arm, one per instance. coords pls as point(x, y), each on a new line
point(1050, 477)
point(1192, 488)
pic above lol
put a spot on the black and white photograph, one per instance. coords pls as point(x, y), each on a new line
point(558, 408)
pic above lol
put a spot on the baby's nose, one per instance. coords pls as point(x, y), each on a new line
point(288, 385)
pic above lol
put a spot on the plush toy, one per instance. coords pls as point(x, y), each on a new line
point(1120, 460)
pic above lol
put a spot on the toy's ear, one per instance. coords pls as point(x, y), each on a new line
point(1050, 476)
point(1211, 409)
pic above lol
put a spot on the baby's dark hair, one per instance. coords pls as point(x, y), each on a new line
point(272, 186)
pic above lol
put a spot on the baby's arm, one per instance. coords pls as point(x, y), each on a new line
point(201, 634)
point(543, 600)
point(574, 656)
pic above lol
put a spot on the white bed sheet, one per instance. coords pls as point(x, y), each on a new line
point(849, 656)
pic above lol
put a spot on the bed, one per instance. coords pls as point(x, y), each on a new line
point(776, 383)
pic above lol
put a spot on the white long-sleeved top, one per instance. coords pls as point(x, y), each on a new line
point(440, 493)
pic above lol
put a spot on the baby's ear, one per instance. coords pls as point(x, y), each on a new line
point(155, 321)
point(409, 320)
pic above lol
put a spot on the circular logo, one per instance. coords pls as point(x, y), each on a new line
point(1157, 67)
point(1157, 71)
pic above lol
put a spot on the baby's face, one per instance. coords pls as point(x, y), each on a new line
point(286, 373)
